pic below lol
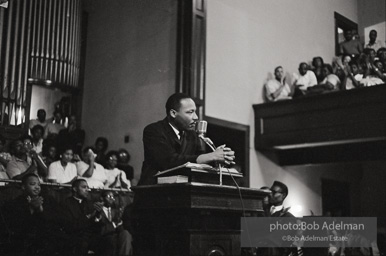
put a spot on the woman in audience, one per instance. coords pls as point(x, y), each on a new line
point(330, 83)
point(37, 138)
point(49, 152)
point(317, 64)
point(370, 72)
point(379, 70)
point(123, 163)
point(352, 76)
point(91, 171)
point(101, 145)
point(4, 158)
point(63, 171)
point(116, 178)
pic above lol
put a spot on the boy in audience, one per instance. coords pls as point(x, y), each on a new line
point(111, 221)
point(278, 89)
point(31, 221)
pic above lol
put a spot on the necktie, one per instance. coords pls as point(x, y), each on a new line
point(109, 214)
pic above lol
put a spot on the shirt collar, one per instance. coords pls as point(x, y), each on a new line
point(176, 131)
point(78, 199)
point(276, 208)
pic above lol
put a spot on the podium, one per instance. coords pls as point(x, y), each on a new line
point(203, 173)
point(192, 218)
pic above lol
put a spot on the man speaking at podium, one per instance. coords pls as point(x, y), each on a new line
point(173, 141)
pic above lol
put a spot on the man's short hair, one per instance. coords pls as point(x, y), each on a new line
point(303, 63)
point(281, 185)
point(26, 177)
point(76, 183)
point(174, 101)
point(277, 68)
point(373, 30)
point(37, 127)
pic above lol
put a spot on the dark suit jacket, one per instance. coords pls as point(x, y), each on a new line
point(107, 226)
point(163, 150)
point(74, 217)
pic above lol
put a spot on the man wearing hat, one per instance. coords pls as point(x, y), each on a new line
point(276, 199)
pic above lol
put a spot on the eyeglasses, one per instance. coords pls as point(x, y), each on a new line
point(276, 192)
point(110, 196)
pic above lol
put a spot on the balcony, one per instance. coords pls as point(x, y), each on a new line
point(333, 127)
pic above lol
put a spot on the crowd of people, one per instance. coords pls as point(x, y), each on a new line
point(55, 153)
point(356, 67)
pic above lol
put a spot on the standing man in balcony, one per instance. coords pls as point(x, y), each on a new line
point(350, 46)
point(172, 141)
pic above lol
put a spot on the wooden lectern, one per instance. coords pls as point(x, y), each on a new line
point(192, 218)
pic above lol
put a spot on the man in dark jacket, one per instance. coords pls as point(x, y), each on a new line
point(172, 141)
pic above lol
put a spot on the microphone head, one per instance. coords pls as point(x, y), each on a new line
point(201, 127)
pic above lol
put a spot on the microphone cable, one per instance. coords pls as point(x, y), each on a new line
point(242, 205)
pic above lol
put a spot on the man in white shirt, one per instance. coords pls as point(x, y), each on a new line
point(305, 80)
point(278, 89)
point(374, 43)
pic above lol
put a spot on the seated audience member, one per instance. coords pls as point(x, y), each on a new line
point(32, 222)
point(81, 221)
point(115, 178)
point(371, 54)
point(101, 145)
point(22, 164)
point(352, 76)
point(111, 221)
point(370, 76)
point(72, 135)
point(317, 68)
point(53, 129)
point(28, 144)
point(346, 58)
point(276, 200)
point(373, 42)
point(330, 83)
point(306, 80)
point(278, 89)
point(49, 152)
point(379, 70)
point(4, 158)
point(41, 120)
point(91, 171)
point(63, 171)
point(381, 54)
point(123, 163)
point(350, 46)
point(37, 133)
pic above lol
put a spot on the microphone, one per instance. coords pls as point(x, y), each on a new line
point(201, 127)
point(201, 131)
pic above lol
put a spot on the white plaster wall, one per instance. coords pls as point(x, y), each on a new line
point(246, 40)
point(130, 70)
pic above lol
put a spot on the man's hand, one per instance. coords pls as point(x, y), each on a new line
point(98, 207)
point(222, 154)
point(36, 203)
